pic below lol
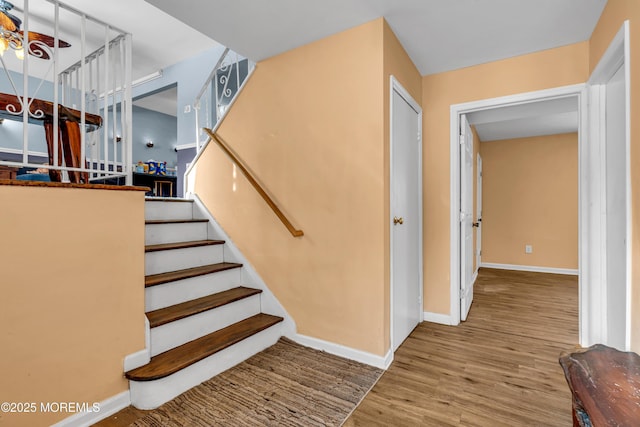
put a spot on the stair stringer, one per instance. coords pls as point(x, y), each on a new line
point(249, 276)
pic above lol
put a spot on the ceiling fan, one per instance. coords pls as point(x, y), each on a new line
point(11, 35)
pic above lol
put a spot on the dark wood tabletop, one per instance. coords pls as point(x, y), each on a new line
point(605, 384)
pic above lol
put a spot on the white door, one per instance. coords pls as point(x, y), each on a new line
point(406, 215)
point(616, 206)
point(478, 223)
point(466, 217)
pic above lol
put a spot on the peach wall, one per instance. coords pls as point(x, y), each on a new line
point(541, 70)
point(309, 123)
point(72, 292)
point(313, 125)
point(613, 16)
point(530, 197)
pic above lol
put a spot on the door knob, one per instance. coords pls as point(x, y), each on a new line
point(397, 220)
point(476, 224)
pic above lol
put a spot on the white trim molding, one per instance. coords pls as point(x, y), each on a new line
point(146, 79)
point(593, 301)
point(382, 362)
point(142, 357)
point(137, 359)
point(443, 319)
point(186, 146)
point(532, 268)
point(107, 408)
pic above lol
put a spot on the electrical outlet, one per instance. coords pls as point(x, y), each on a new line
point(528, 249)
point(187, 109)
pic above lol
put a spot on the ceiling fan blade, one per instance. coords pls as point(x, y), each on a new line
point(37, 50)
point(43, 38)
point(8, 21)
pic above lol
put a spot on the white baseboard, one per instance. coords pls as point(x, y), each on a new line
point(142, 357)
point(535, 269)
point(137, 359)
point(382, 362)
point(108, 407)
point(443, 319)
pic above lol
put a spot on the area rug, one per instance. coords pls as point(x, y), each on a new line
point(285, 385)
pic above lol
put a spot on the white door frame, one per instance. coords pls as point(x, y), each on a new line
point(511, 100)
point(592, 316)
point(617, 55)
point(400, 90)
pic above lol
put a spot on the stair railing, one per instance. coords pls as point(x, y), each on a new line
point(219, 91)
point(240, 164)
point(85, 109)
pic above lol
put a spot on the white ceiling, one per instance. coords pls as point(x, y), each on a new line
point(165, 102)
point(550, 117)
point(439, 35)
point(159, 40)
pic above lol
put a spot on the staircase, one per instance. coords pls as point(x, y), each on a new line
point(202, 319)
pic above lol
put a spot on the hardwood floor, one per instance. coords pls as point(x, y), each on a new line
point(499, 368)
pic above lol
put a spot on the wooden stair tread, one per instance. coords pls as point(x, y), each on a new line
point(173, 221)
point(166, 315)
point(167, 199)
point(170, 362)
point(182, 245)
point(172, 276)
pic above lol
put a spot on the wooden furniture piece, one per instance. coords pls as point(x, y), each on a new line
point(7, 172)
point(163, 188)
point(69, 134)
point(605, 385)
point(159, 183)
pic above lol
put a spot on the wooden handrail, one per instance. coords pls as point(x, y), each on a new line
point(256, 185)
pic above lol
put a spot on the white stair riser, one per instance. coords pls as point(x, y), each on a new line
point(151, 394)
point(178, 259)
point(182, 331)
point(156, 234)
point(167, 210)
point(171, 293)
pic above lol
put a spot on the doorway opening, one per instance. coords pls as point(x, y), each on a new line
point(604, 306)
point(155, 136)
point(518, 133)
point(526, 158)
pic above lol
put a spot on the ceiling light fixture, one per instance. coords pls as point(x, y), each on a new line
point(11, 36)
point(147, 78)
